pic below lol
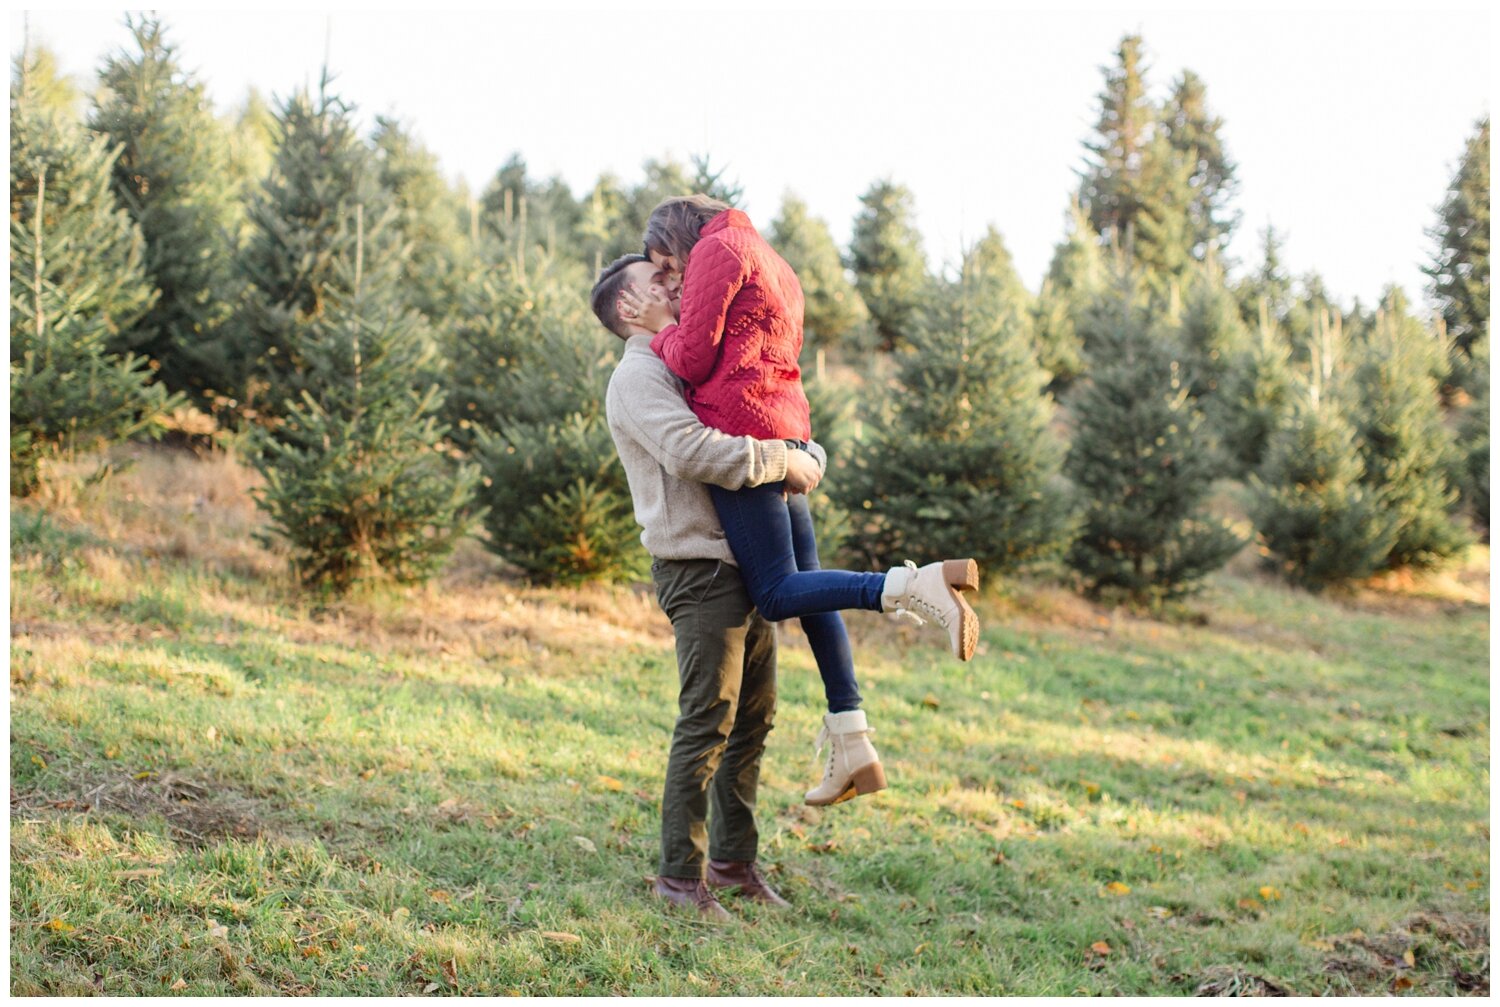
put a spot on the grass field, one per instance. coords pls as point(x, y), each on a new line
point(218, 789)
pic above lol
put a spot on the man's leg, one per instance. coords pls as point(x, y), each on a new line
point(711, 616)
point(733, 835)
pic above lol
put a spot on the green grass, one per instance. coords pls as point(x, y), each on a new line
point(217, 790)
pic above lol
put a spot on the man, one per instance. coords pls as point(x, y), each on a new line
point(726, 653)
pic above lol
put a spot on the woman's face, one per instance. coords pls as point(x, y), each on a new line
point(667, 264)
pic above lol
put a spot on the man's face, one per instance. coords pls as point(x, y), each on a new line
point(647, 276)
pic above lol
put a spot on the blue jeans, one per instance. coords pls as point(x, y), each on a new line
point(773, 543)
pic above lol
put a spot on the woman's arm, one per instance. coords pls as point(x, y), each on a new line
point(713, 277)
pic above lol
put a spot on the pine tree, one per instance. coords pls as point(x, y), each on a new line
point(356, 478)
point(49, 92)
point(890, 269)
point(1194, 133)
point(835, 315)
point(1319, 523)
point(429, 216)
point(1269, 284)
point(1474, 439)
point(1161, 232)
point(1110, 183)
point(1074, 278)
point(301, 229)
point(250, 148)
point(601, 225)
point(76, 280)
point(1406, 449)
point(964, 463)
point(1211, 333)
point(1255, 396)
point(172, 176)
point(1460, 269)
point(1143, 461)
point(712, 183)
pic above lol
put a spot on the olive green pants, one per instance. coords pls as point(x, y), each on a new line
point(726, 668)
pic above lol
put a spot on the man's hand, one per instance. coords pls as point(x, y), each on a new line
point(802, 473)
point(651, 310)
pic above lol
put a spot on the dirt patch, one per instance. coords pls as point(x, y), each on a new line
point(1233, 981)
point(196, 811)
point(1422, 956)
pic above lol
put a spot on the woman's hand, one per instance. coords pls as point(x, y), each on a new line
point(650, 310)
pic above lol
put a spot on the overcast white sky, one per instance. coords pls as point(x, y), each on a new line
point(1346, 125)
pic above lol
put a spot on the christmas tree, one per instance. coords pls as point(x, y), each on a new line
point(1142, 459)
point(1460, 269)
point(835, 315)
point(1074, 279)
point(1254, 396)
point(890, 270)
point(77, 280)
point(356, 478)
point(172, 178)
point(961, 462)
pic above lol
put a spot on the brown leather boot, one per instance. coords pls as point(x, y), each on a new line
point(744, 875)
point(692, 893)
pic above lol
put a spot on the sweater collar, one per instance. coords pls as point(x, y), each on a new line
point(728, 218)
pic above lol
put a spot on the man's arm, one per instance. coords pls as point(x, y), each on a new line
point(645, 403)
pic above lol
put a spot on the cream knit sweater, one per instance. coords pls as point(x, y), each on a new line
point(669, 455)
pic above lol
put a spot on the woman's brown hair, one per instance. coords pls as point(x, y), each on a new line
point(675, 224)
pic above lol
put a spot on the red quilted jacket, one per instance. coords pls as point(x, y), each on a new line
point(737, 340)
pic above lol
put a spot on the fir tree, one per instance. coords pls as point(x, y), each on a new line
point(77, 279)
point(301, 229)
point(1074, 278)
point(964, 462)
point(1143, 461)
point(251, 149)
point(1161, 232)
point(601, 223)
point(49, 92)
point(1212, 334)
point(1474, 439)
point(890, 269)
point(1460, 269)
point(429, 216)
point(1111, 180)
point(1194, 133)
point(1318, 522)
point(835, 315)
point(1407, 451)
point(1256, 395)
point(172, 176)
point(356, 479)
point(712, 183)
point(1269, 284)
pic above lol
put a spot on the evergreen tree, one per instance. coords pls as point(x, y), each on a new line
point(76, 280)
point(964, 462)
point(49, 92)
point(835, 315)
point(356, 480)
point(1074, 278)
point(1319, 522)
point(1161, 233)
point(832, 404)
point(428, 221)
point(1255, 396)
point(172, 176)
point(890, 269)
point(1474, 439)
point(1211, 333)
point(712, 183)
point(1193, 132)
point(1111, 180)
point(1143, 460)
point(1311, 306)
point(251, 148)
point(1269, 284)
point(602, 222)
point(301, 229)
point(1460, 269)
point(1407, 451)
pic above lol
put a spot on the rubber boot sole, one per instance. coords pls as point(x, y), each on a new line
point(865, 780)
point(963, 575)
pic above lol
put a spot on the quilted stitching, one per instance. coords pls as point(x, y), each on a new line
point(743, 353)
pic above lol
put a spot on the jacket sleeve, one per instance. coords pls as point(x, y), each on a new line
point(650, 410)
point(713, 277)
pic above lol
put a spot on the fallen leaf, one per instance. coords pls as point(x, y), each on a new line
point(216, 929)
point(39, 761)
point(1409, 958)
point(585, 844)
point(1115, 888)
point(439, 895)
point(1160, 912)
point(930, 701)
point(1100, 948)
point(919, 948)
point(212, 733)
point(1270, 894)
point(1092, 789)
point(610, 783)
point(429, 987)
point(1248, 903)
point(59, 926)
point(450, 970)
point(1402, 983)
point(1018, 803)
point(558, 937)
point(180, 984)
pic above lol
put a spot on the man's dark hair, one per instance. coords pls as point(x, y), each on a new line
point(605, 297)
point(673, 227)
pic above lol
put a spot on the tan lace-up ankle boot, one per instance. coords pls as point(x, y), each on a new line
point(853, 767)
point(933, 593)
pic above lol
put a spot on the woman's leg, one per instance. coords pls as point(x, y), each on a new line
point(758, 524)
point(825, 630)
